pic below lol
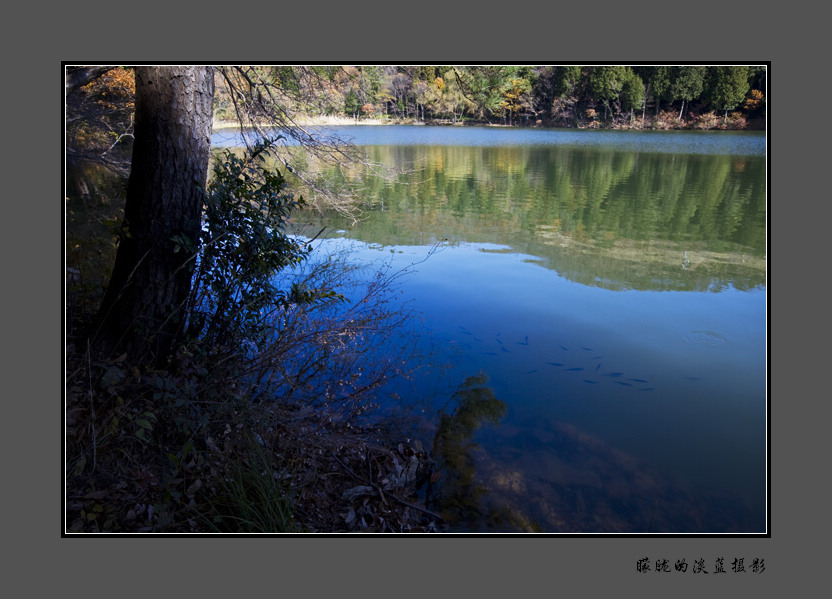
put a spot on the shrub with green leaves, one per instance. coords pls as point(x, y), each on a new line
point(242, 248)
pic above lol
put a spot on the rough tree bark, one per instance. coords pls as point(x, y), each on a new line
point(142, 310)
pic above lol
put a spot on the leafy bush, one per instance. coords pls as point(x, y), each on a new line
point(712, 120)
point(709, 120)
point(736, 120)
point(666, 119)
point(265, 318)
point(242, 249)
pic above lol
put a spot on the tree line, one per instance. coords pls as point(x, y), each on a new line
point(654, 96)
point(100, 109)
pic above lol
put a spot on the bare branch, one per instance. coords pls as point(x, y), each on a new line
point(261, 103)
point(77, 77)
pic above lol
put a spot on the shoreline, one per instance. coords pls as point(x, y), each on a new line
point(322, 121)
point(650, 124)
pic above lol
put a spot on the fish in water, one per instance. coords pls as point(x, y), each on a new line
point(526, 342)
point(576, 369)
point(505, 349)
point(637, 380)
point(564, 348)
point(614, 374)
point(623, 383)
point(531, 371)
point(590, 382)
point(555, 363)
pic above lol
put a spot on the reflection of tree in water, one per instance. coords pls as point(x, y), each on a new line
point(548, 476)
point(452, 489)
point(620, 221)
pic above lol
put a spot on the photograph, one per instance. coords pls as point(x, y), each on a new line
point(419, 300)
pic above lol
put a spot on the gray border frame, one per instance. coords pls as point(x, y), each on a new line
point(398, 566)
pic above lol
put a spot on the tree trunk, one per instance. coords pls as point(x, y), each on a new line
point(142, 310)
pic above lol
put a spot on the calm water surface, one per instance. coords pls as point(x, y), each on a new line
point(595, 312)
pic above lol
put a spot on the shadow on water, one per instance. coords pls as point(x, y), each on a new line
point(493, 475)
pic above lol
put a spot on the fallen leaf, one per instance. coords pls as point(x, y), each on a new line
point(351, 494)
point(197, 484)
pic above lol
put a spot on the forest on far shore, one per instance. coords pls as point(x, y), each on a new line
point(658, 97)
point(734, 97)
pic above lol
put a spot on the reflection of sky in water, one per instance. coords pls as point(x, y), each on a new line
point(737, 144)
point(676, 379)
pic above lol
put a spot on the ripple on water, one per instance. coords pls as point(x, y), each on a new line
point(705, 338)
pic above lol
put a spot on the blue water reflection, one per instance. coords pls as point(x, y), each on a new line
point(737, 144)
point(674, 381)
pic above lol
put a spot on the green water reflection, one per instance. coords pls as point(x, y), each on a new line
point(618, 220)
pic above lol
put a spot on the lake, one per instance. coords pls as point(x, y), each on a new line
point(594, 307)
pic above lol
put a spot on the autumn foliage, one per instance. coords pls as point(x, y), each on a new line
point(755, 100)
point(99, 116)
